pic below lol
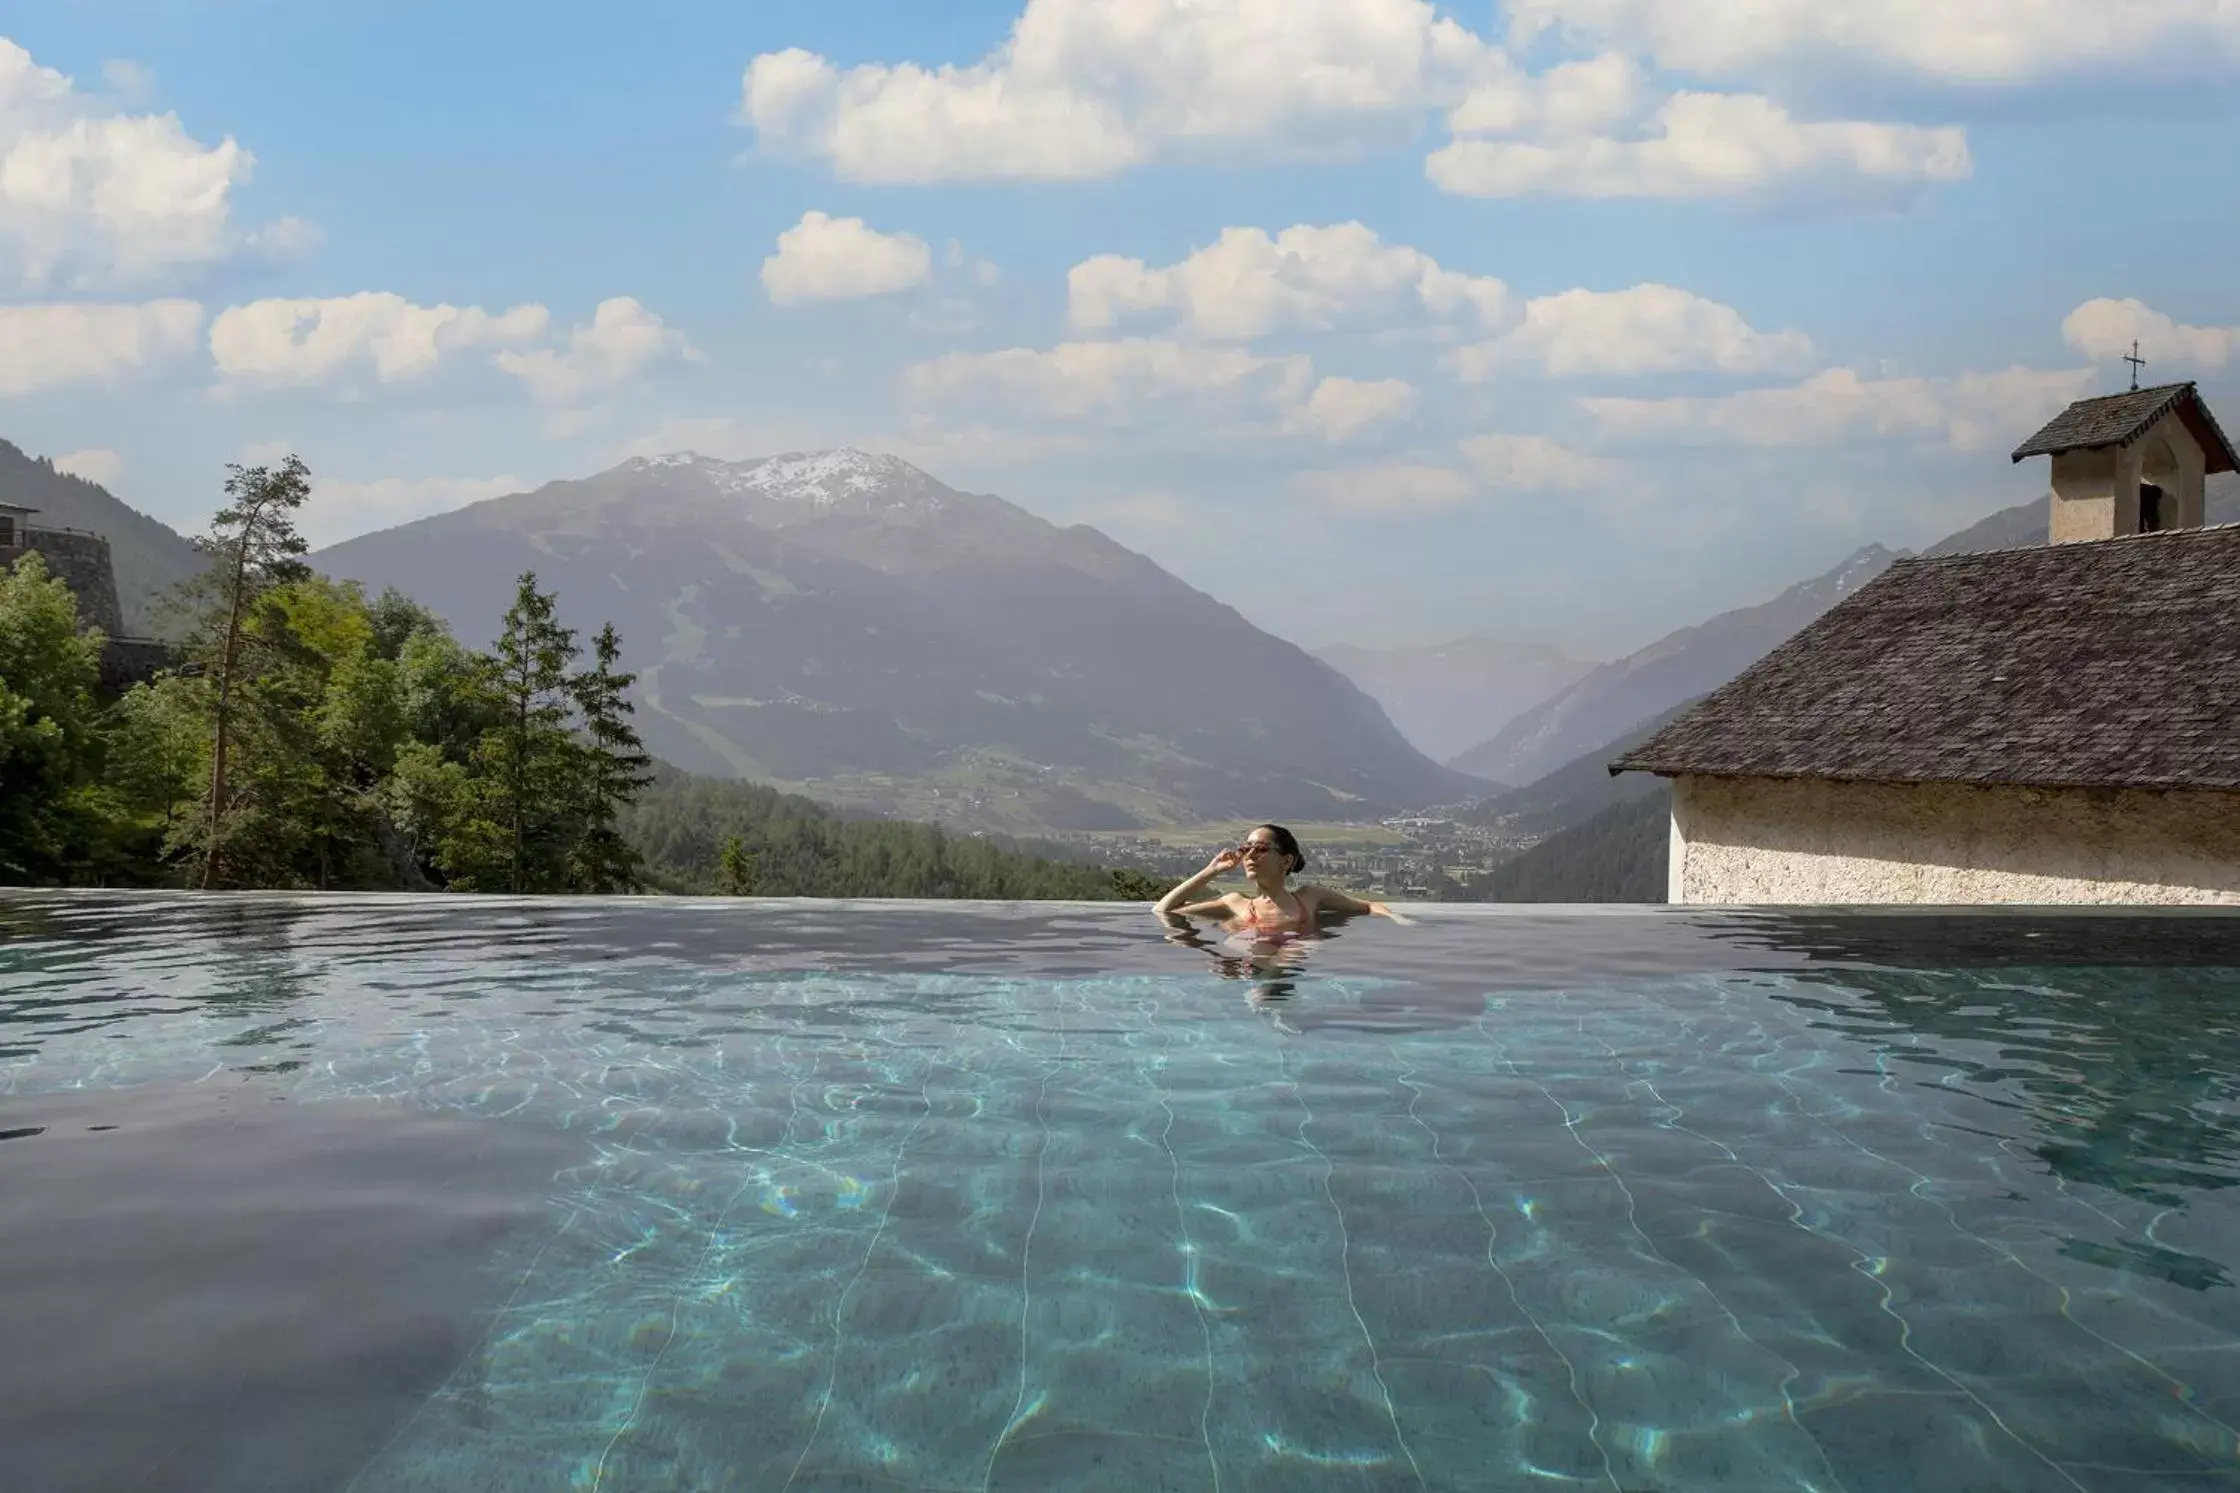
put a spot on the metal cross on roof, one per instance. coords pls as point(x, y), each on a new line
point(2136, 363)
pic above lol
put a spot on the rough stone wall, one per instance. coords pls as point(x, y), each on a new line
point(1787, 841)
point(82, 561)
point(126, 662)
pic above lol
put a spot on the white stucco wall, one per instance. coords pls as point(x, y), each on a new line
point(1764, 840)
point(2096, 490)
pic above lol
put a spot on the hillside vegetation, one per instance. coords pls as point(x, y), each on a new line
point(1578, 790)
point(1616, 855)
point(681, 825)
point(313, 739)
point(843, 626)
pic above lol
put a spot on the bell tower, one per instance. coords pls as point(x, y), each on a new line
point(2130, 463)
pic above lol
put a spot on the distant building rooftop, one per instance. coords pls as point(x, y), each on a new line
point(2119, 419)
point(2107, 665)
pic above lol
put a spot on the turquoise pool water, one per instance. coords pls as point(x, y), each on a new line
point(389, 1194)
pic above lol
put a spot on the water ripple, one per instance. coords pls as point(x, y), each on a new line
point(986, 1196)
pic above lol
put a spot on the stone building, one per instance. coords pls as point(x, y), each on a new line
point(2057, 724)
point(81, 561)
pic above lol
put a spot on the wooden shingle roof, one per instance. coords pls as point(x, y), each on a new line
point(2120, 419)
point(2108, 664)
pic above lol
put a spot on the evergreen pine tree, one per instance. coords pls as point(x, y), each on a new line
point(513, 834)
point(736, 872)
point(252, 547)
point(1130, 885)
point(614, 769)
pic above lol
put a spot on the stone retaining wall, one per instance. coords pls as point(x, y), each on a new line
point(82, 562)
point(126, 662)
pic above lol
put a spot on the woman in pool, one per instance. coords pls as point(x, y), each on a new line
point(1273, 909)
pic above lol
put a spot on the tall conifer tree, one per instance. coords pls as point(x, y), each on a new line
point(253, 548)
point(615, 769)
point(528, 758)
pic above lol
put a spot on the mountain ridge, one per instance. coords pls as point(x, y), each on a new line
point(1608, 702)
point(845, 624)
point(1613, 698)
point(1447, 697)
point(1595, 824)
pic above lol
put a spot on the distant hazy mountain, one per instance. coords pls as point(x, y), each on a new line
point(1616, 697)
point(844, 625)
point(1607, 836)
point(1450, 696)
point(1578, 790)
point(149, 558)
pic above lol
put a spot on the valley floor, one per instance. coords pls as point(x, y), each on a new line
point(1421, 855)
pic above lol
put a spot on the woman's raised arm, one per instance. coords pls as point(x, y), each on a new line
point(1337, 901)
point(1176, 903)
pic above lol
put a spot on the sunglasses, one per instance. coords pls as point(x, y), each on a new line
point(1251, 848)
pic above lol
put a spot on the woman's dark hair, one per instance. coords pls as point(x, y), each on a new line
point(1288, 844)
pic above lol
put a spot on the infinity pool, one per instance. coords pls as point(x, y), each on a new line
point(383, 1194)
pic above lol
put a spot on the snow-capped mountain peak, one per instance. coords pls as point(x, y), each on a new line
point(820, 480)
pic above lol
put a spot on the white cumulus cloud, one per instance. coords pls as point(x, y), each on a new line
point(1086, 88)
point(314, 340)
point(1179, 391)
point(1090, 88)
point(1535, 463)
point(91, 197)
point(1994, 42)
point(1345, 409)
point(622, 341)
point(1113, 383)
point(1970, 412)
point(1623, 333)
point(44, 346)
point(2105, 330)
point(1706, 145)
point(823, 258)
point(1584, 96)
point(1248, 284)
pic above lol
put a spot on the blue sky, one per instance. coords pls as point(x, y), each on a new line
point(1570, 320)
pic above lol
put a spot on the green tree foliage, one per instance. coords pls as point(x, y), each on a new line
point(510, 828)
point(159, 751)
point(252, 547)
point(314, 739)
point(736, 874)
point(1133, 886)
point(370, 749)
point(315, 727)
point(50, 747)
point(613, 770)
point(1617, 855)
point(396, 619)
point(521, 765)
